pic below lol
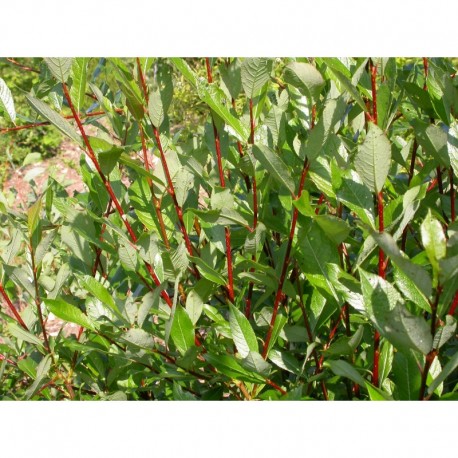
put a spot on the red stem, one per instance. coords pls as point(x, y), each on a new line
point(381, 259)
point(425, 68)
point(255, 215)
point(24, 67)
point(452, 196)
point(279, 294)
point(12, 308)
point(373, 69)
point(230, 286)
point(454, 305)
point(156, 202)
point(89, 151)
point(171, 191)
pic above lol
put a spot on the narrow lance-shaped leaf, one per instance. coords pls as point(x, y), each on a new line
point(433, 238)
point(79, 79)
point(452, 147)
point(182, 331)
point(348, 86)
point(54, 118)
point(60, 67)
point(372, 161)
point(242, 332)
point(70, 313)
point(42, 371)
point(6, 100)
point(275, 166)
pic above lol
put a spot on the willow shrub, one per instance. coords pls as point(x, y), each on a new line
point(297, 241)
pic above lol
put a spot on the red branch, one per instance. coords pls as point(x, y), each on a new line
point(90, 152)
point(227, 232)
point(279, 294)
point(12, 308)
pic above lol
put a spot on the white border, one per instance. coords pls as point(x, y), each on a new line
point(229, 28)
point(227, 429)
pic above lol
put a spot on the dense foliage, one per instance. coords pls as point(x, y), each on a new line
point(285, 230)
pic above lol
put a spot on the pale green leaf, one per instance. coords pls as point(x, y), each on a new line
point(306, 78)
point(275, 166)
point(242, 332)
point(79, 79)
point(70, 313)
point(6, 100)
point(372, 161)
point(54, 118)
point(182, 331)
point(60, 67)
point(255, 73)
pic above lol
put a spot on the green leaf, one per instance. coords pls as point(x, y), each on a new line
point(180, 395)
point(182, 331)
point(433, 139)
point(6, 100)
point(107, 154)
point(229, 366)
point(101, 293)
point(275, 166)
point(344, 369)
point(410, 290)
point(255, 73)
point(70, 313)
point(215, 98)
point(194, 305)
point(280, 322)
point(254, 362)
point(42, 371)
point(315, 251)
point(445, 332)
point(376, 394)
point(21, 334)
point(385, 308)
point(372, 161)
point(139, 338)
point(208, 272)
point(185, 70)
point(357, 197)
point(33, 223)
point(54, 118)
point(414, 272)
point(60, 67)
point(306, 78)
point(128, 255)
point(348, 86)
point(336, 229)
point(446, 371)
point(161, 98)
point(435, 243)
point(242, 332)
point(406, 376)
point(79, 79)
point(232, 77)
point(452, 147)
point(285, 360)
